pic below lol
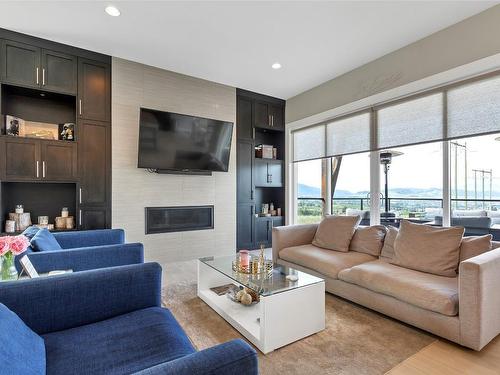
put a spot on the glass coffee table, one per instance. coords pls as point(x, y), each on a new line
point(287, 311)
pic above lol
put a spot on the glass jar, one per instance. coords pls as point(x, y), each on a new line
point(7, 267)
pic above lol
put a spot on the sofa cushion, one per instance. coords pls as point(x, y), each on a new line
point(22, 350)
point(335, 232)
point(475, 245)
point(121, 345)
point(429, 249)
point(387, 252)
point(326, 262)
point(44, 241)
point(465, 213)
point(368, 240)
point(430, 292)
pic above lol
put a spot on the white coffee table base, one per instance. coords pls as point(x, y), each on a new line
point(277, 320)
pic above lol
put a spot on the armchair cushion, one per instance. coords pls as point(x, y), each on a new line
point(22, 350)
point(121, 345)
point(43, 240)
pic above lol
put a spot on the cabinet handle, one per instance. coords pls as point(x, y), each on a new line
point(269, 120)
point(272, 121)
point(80, 217)
point(37, 169)
point(43, 169)
point(251, 194)
point(80, 196)
point(80, 107)
point(253, 133)
point(37, 79)
point(43, 77)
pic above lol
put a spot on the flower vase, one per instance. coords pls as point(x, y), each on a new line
point(7, 267)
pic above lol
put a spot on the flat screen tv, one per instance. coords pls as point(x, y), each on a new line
point(174, 142)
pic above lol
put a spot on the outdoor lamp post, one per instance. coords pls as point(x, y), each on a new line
point(386, 160)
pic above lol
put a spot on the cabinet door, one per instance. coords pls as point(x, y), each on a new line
point(93, 160)
point(260, 173)
point(244, 160)
point(261, 115)
point(59, 161)
point(93, 218)
point(245, 226)
point(275, 174)
point(59, 72)
point(262, 232)
point(244, 125)
point(277, 118)
point(20, 64)
point(22, 159)
point(94, 88)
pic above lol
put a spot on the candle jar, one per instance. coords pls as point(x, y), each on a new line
point(19, 209)
point(64, 212)
point(244, 259)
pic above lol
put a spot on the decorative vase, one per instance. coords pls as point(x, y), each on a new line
point(7, 268)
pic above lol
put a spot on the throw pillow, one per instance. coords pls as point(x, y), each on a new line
point(429, 249)
point(368, 240)
point(387, 252)
point(44, 241)
point(473, 246)
point(30, 232)
point(335, 232)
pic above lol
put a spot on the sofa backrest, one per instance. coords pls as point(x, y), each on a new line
point(87, 238)
point(22, 350)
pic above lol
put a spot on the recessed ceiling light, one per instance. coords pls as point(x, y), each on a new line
point(276, 65)
point(112, 11)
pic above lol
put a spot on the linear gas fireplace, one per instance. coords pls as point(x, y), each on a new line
point(179, 219)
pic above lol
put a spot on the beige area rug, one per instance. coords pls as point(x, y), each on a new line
point(356, 340)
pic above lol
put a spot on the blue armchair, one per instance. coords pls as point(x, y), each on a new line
point(86, 250)
point(104, 322)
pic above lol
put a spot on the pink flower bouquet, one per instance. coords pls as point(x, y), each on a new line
point(9, 248)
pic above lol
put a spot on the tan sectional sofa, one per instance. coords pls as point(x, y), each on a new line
point(464, 309)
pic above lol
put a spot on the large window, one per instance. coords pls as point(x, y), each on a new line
point(434, 159)
point(351, 185)
point(309, 191)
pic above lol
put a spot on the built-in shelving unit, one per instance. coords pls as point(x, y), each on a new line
point(260, 120)
point(55, 84)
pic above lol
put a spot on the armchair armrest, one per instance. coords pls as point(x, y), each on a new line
point(479, 299)
point(292, 235)
point(55, 303)
point(233, 357)
point(88, 258)
point(86, 238)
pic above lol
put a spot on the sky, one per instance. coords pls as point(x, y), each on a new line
point(420, 166)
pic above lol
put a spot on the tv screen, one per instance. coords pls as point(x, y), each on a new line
point(171, 141)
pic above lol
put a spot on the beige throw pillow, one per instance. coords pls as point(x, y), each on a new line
point(429, 249)
point(368, 240)
point(473, 246)
point(335, 232)
point(387, 252)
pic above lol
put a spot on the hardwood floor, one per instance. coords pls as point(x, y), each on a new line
point(444, 358)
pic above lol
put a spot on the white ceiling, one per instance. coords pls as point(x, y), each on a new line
point(235, 43)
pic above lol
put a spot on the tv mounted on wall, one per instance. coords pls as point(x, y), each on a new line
point(175, 143)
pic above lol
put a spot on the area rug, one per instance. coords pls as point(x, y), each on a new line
point(356, 340)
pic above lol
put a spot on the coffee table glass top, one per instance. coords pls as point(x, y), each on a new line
point(264, 284)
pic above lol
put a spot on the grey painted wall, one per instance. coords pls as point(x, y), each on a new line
point(135, 85)
point(467, 41)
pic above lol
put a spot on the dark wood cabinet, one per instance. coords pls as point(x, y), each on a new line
point(264, 230)
point(20, 64)
point(245, 226)
point(94, 90)
point(244, 110)
point(94, 162)
point(277, 117)
point(245, 163)
point(59, 161)
point(268, 173)
point(90, 218)
point(59, 72)
point(21, 159)
point(261, 115)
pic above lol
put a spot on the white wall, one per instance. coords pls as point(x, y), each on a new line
point(136, 85)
